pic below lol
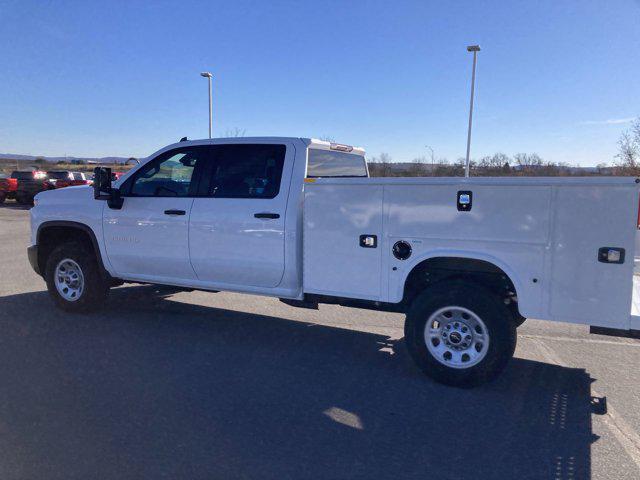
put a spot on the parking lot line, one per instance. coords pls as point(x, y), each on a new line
point(581, 340)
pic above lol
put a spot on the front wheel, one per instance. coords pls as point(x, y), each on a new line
point(74, 280)
point(460, 334)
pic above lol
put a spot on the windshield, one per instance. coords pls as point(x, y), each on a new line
point(329, 163)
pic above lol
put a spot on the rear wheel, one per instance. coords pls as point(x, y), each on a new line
point(460, 334)
point(3, 197)
point(74, 280)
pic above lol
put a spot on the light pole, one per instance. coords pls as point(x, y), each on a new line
point(432, 155)
point(475, 49)
point(209, 76)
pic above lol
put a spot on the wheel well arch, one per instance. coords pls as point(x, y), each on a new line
point(485, 272)
point(51, 234)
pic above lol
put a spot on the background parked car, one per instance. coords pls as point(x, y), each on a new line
point(65, 178)
point(30, 183)
point(8, 187)
point(81, 178)
point(114, 176)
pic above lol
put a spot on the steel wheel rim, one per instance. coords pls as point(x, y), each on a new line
point(456, 337)
point(69, 280)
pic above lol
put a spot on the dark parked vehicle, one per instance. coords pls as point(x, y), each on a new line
point(30, 183)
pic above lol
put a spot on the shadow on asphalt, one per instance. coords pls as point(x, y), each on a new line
point(153, 388)
point(12, 205)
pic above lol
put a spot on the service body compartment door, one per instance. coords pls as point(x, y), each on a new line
point(335, 218)
point(585, 289)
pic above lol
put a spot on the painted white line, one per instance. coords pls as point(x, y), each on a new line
point(580, 340)
point(624, 433)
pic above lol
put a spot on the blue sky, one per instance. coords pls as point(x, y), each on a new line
point(560, 78)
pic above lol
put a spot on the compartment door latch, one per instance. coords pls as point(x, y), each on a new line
point(611, 255)
point(465, 200)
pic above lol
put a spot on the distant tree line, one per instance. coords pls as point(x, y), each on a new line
point(628, 157)
point(496, 165)
point(627, 163)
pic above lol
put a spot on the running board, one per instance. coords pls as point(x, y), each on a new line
point(615, 332)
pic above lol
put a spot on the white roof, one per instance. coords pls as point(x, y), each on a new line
point(309, 142)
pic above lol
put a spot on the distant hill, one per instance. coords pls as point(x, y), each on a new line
point(31, 158)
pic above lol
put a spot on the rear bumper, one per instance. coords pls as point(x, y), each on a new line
point(32, 254)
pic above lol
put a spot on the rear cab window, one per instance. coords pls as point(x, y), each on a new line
point(333, 163)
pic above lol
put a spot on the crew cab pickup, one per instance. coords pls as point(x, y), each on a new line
point(466, 259)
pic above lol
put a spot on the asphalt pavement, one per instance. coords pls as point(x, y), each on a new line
point(165, 384)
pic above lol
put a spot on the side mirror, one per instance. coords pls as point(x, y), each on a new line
point(102, 183)
point(102, 189)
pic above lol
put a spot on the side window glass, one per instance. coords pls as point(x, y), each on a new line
point(247, 171)
point(168, 177)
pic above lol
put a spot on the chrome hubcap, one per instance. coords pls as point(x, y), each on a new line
point(456, 337)
point(69, 280)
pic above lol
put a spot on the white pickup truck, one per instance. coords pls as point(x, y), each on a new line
point(467, 260)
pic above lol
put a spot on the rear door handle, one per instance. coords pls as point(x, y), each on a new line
point(174, 212)
point(267, 215)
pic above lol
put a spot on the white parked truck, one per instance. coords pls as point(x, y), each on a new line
point(467, 259)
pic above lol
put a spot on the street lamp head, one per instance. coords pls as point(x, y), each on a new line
point(473, 48)
point(206, 74)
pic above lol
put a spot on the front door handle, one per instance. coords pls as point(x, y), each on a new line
point(267, 215)
point(174, 212)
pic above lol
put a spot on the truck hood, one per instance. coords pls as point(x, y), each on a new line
point(80, 193)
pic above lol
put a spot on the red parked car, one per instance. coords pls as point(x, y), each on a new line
point(64, 178)
point(8, 187)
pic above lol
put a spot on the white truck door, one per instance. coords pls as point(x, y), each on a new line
point(148, 237)
point(237, 224)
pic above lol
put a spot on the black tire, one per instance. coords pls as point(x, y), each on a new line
point(3, 197)
point(495, 315)
point(95, 287)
